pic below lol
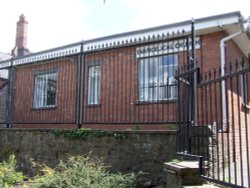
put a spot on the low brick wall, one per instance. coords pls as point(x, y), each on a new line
point(144, 151)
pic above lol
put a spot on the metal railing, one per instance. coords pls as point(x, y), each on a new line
point(221, 131)
point(125, 85)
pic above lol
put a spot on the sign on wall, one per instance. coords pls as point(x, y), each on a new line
point(166, 47)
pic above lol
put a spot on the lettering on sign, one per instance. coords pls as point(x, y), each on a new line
point(166, 48)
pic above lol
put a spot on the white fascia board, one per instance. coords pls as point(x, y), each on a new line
point(219, 23)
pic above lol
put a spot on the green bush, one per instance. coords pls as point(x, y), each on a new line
point(8, 174)
point(83, 134)
point(82, 172)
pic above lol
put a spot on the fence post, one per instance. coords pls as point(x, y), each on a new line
point(194, 111)
point(79, 104)
point(9, 112)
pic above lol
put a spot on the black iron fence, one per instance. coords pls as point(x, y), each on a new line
point(125, 85)
point(220, 133)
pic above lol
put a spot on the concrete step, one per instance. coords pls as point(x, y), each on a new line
point(182, 173)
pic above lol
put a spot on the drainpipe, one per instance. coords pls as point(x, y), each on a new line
point(223, 84)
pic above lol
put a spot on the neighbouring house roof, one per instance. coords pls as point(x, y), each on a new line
point(229, 22)
point(4, 73)
point(4, 56)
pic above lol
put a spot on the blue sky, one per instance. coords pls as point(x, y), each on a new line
point(53, 23)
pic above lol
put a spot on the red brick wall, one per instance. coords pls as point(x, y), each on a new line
point(209, 55)
point(64, 112)
point(119, 101)
point(119, 87)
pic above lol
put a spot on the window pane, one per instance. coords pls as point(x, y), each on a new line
point(39, 91)
point(51, 90)
point(94, 85)
point(156, 78)
point(45, 90)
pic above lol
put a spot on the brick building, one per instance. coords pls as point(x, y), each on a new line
point(124, 81)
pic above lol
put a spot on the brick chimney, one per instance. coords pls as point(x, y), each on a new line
point(20, 48)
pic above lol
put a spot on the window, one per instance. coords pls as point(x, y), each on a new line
point(94, 85)
point(243, 80)
point(156, 78)
point(45, 90)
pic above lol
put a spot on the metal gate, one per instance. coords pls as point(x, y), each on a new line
point(223, 109)
point(187, 79)
point(213, 118)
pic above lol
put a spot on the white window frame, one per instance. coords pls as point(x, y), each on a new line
point(94, 75)
point(156, 78)
point(244, 87)
point(41, 90)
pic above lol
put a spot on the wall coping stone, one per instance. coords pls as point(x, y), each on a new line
point(168, 132)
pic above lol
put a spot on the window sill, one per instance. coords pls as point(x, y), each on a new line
point(156, 102)
point(45, 108)
point(92, 105)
